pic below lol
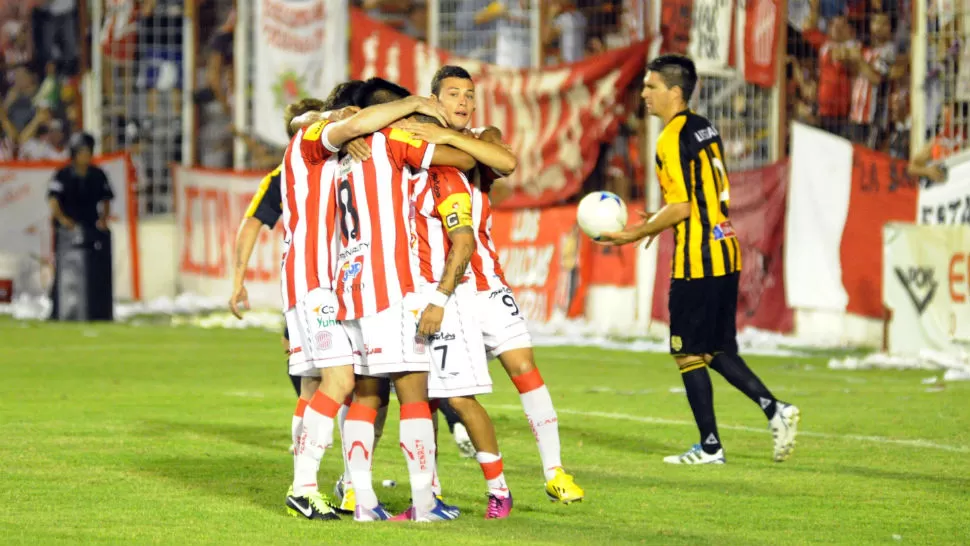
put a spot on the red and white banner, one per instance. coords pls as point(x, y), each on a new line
point(209, 206)
point(759, 22)
point(554, 119)
point(546, 260)
point(840, 197)
point(301, 51)
point(758, 213)
point(26, 228)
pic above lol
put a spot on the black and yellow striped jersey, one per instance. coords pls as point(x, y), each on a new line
point(267, 203)
point(690, 167)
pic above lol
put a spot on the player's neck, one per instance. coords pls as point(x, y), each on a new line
point(669, 116)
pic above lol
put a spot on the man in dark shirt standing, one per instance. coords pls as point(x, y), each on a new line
point(79, 197)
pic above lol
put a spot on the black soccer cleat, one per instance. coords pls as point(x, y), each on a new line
point(312, 506)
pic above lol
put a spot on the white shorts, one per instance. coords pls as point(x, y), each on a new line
point(388, 342)
point(459, 366)
point(503, 324)
point(317, 340)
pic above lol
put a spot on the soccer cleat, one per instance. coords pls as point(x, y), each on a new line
point(498, 507)
point(440, 512)
point(465, 446)
point(377, 513)
point(562, 488)
point(311, 506)
point(696, 455)
point(784, 427)
point(345, 496)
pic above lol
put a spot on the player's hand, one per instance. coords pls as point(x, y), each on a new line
point(358, 149)
point(625, 237)
point(430, 321)
point(429, 132)
point(433, 108)
point(239, 301)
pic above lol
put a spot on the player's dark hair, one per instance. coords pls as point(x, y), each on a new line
point(447, 71)
point(425, 118)
point(378, 91)
point(342, 95)
point(676, 71)
point(297, 109)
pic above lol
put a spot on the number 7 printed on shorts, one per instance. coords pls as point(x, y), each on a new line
point(444, 355)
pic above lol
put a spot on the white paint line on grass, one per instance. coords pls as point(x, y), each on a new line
point(915, 443)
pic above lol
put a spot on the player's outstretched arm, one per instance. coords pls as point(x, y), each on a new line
point(670, 215)
point(462, 247)
point(488, 150)
point(375, 118)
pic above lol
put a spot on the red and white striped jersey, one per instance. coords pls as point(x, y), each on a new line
point(374, 263)
point(442, 203)
point(865, 94)
point(309, 214)
point(485, 265)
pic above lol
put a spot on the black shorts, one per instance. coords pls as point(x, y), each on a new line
point(703, 314)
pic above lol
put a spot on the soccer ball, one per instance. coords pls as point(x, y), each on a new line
point(601, 212)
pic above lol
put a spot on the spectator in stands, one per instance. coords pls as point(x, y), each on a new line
point(48, 143)
point(215, 128)
point(19, 102)
point(474, 40)
point(834, 88)
point(802, 91)
point(901, 124)
point(564, 32)
point(8, 133)
point(15, 48)
point(513, 47)
point(869, 116)
point(390, 12)
point(56, 34)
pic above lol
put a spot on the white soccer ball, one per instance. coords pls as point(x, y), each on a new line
point(601, 212)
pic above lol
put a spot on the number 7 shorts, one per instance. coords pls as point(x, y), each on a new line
point(459, 366)
point(387, 342)
point(317, 340)
point(502, 323)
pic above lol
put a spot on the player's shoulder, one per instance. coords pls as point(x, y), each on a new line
point(447, 180)
point(393, 134)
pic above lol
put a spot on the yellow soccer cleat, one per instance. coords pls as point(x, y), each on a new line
point(346, 497)
point(562, 488)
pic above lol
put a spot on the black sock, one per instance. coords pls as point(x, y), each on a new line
point(700, 395)
point(738, 374)
point(296, 380)
point(450, 414)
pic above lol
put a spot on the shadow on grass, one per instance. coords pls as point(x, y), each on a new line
point(271, 438)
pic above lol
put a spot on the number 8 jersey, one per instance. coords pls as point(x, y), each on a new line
point(374, 269)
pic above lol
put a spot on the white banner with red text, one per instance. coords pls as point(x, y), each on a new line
point(927, 287)
point(26, 230)
point(301, 51)
point(554, 119)
point(209, 205)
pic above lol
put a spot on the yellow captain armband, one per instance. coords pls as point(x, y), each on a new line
point(314, 131)
point(401, 135)
point(456, 211)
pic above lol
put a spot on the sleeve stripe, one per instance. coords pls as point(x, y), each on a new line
point(428, 156)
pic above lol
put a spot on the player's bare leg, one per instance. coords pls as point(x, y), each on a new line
point(700, 396)
point(316, 436)
point(539, 410)
point(482, 433)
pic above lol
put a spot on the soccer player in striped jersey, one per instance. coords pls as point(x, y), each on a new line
point(444, 242)
point(377, 302)
point(319, 343)
point(503, 326)
point(706, 263)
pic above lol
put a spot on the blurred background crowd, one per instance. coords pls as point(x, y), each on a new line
point(848, 70)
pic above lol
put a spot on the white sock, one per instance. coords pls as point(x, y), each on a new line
point(417, 444)
point(317, 436)
point(341, 420)
point(545, 427)
point(494, 473)
point(358, 449)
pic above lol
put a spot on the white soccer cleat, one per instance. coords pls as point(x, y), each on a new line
point(464, 442)
point(696, 455)
point(784, 428)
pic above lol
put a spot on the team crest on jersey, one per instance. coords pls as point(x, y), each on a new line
point(723, 230)
point(351, 270)
point(323, 341)
point(676, 343)
point(420, 345)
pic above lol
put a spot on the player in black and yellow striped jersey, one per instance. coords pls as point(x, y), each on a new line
point(706, 264)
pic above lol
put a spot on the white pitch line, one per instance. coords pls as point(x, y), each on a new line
point(917, 443)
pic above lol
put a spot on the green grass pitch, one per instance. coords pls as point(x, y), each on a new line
point(117, 434)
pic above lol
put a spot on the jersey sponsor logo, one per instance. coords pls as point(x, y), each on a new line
point(356, 249)
point(706, 133)
point(325, 309)
point(442, 336)
point(351, 270)
point(724, 230)
point(499, 292)
point(920, 285)
point(314, 131)
point(345, 167)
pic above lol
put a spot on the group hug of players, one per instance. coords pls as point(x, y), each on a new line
point(390, 277)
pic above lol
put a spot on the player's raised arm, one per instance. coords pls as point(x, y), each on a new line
point(375, 118)
point(421, 154)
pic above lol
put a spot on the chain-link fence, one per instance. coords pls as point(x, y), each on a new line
point(947, 85)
